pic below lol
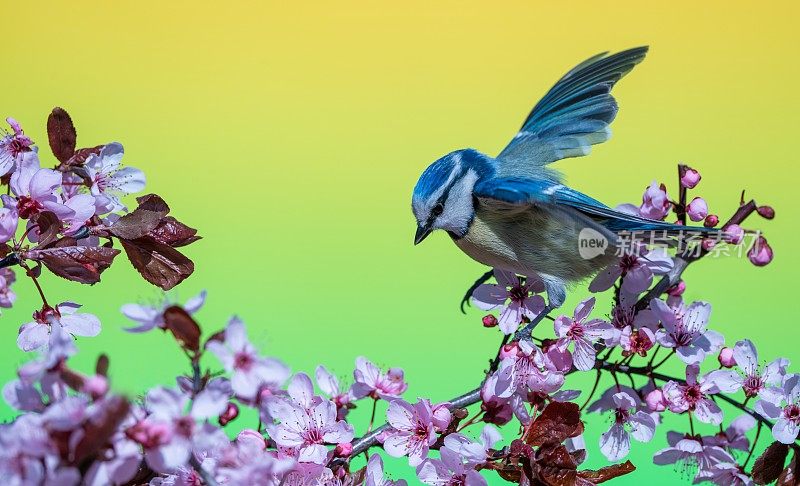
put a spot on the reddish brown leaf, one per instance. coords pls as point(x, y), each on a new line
point(82, 264)
point(80, 155)
point(183, 327)
point(142, 220)
point(791, 475)
point(159, 264)
point(49, 226)
point(769, 465)
point(558, 421)
point(99, 430)
point(607, 473)
point(101, 367)
point(174, 233)
point(61, 134)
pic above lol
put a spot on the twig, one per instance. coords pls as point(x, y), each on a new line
point(208, 480)
point(753, 446)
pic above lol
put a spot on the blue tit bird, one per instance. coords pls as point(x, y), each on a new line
point(512, 211)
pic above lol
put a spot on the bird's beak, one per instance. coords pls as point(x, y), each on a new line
point(423, 231)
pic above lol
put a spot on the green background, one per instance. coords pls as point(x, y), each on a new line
point(291, 136)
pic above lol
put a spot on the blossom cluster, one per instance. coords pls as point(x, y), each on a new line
point(521, 423)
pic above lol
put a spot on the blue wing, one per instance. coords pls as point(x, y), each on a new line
point(574, 115)
point(517, 193)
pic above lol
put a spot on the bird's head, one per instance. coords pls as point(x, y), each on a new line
point(443, 195)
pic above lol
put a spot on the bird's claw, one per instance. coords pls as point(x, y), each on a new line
point(481, 280)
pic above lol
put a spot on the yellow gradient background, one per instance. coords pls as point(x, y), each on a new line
point(292, 135)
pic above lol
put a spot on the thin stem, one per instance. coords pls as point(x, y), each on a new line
point(207, 478)
point(691, 423)
point(372, 417)
point(663, 360)
point(30, 274)
point(752, 446)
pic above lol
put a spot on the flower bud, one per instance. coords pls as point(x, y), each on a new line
point(489, 320)
point(711, 221)
point(95, 386)
point(230, 413)
point(253, 437)
point(343, 449)
point(708, 244)
point(697, 209)
point(441, 416)
point(677, 289)
point(734, 234)
point(655, 400)
point(689, 177)
point(509, 350)
point(766, 212)
point(725, 358)
point(760, 253)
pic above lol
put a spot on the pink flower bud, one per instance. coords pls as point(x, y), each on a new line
point(251, 436)
point(711, 221)
point(677, 289)
point(230, 413)
point(760, 253)
point(766, 212)
point(441, 416)
point(690, 178)
point(725, 358)
point(489, 320)
point(95, 386)
point(708, 244)
point(655, 202)
point(697, 209)
point(509, 350)
point(734, 234)
point(655, 400)
point(343, 449)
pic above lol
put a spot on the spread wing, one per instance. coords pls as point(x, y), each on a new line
point(513, 194)
point(574, 115)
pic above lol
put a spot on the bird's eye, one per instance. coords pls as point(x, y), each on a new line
point(438, 209)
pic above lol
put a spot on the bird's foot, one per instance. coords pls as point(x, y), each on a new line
point(481, 280)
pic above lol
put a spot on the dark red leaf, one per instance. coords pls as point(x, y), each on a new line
point(791, 475)
point(769, 465)
point(82, 264)
point(183, 327)
point(142, 220)
point(80, 155)
point(558, 421)
point(49, 227)
point(100, 429)
point(607, 473)
point(174, 233)
point(101, 368)
point(159, 264)
point(61, 134)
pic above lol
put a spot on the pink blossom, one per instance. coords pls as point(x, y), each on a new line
point(307, 422)
point(735, 436)
point(760, 253)
point(529, 369)
point(628, 421)
point(13, 146)
point(9, 218)
point(697, 209)
point(582, 333)
point(637, 270)
point(689, 178)
point(109, 182)
point(150, 317)
point(784, 405)
point(250, 371)
point(329, 384)
point(749, 377)
point(371, 381)
point(497, 410)
point(473, 452)
point(449, 471)
point(725, 358)
point(655, 202)
point(655, 400)
point(636, 341)
point(36, 334)
point(7, 296)
point(515, 296)
point(725, 474)
point(693, 396)
point(35, 188)
point(414, 430)
point(374, 474)
point(684, 329)
point(690, 453)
